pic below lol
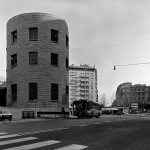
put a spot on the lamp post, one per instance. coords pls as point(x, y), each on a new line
point(35, 108)
point(85, 83)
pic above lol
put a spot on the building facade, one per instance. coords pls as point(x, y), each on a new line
point(82, 83)
point(127, 93)
point(123, 94)
point(37, 62)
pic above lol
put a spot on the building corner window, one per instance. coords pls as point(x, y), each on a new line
point(14, 92)
point(54, 35)
point(54, 92)
point(14, 36)
point(13, 60)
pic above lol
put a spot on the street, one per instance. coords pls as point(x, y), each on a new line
point(109, 132)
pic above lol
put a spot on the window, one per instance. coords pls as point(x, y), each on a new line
point(54, 59)
point(33, 91)
point(33, 58)
point(67, 90)
point(14, 60)
point(67, 41)
point(33, 34)
point(14, 92)
point(14, 36)
point(67, 63)
point(54, 92)
point(54, 35)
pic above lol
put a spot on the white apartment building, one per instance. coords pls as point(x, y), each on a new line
point(82, 83)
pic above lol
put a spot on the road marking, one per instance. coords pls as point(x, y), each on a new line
point(34, 145)
point(8, 136)
point(3, 133)
point(97, 123)
point(107, 121)
point(17, 140)
point(72, 147)
point(62, 128)
point(41, 131)
point(82, 125)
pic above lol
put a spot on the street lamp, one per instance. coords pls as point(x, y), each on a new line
point(35, 100)
point(114, 67)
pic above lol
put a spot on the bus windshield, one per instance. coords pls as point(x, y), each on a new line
point(79, 106)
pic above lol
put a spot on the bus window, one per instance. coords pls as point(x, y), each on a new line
point(79, 106)
point(88, 106)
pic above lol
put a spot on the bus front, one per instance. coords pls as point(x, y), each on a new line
point(79, 108)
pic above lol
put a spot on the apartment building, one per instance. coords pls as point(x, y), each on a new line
point(82, 83)
point(37, 63)
point(127, 93)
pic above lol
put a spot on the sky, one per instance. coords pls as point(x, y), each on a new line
point(104, 33)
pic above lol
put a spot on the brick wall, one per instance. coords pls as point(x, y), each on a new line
point(43, 73)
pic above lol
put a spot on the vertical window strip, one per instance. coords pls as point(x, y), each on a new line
point(14, 60)
point(54, 35)
point(33, 58)
point(14, 36)
point(54, 92)
point(14, 92)
point(54, 59)
point(33, 91)
point(33, 34)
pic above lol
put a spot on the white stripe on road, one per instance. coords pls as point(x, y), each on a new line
point(8, 136)
point(3, 133)
point(41, 131)
point(82, 125)
point(109, 121)
point(97, 123)
point(72, 147)
point(17, 140)
point(34, 145)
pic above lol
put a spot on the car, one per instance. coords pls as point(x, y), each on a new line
point(5, 114)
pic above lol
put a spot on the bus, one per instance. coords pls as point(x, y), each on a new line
point(88, 109)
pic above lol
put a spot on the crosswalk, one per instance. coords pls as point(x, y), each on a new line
point(8, 139)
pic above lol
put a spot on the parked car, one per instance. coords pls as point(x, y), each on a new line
point(5, 114)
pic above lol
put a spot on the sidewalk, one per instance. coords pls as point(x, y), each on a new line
point(34, 119)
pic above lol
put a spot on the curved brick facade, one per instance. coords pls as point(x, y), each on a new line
point(37, 52)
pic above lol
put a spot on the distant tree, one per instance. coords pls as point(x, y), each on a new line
point(114, 103)
point(112, 99)
point(103, 100)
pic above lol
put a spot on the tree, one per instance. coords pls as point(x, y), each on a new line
point(114, 103)
point(103, 100)
point(112, 98)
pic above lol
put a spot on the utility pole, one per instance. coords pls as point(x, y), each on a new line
point(85, 82)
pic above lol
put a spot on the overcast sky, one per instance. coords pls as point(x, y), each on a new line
point(103, 33)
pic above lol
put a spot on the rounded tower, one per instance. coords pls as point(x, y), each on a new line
point(37, 63)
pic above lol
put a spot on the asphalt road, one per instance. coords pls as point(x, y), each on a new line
point(104, 133)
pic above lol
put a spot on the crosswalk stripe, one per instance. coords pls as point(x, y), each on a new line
point(34, 145)
point(8, 136)
point(2, 133)
point(97, 123)
point(17, 140)
point(72, 147)
point(82, 125)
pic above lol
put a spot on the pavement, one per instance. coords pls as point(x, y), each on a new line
point(70, 117)
point(14, 120)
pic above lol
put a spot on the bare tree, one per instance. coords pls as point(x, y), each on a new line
point(103, 100)
point(112, 98)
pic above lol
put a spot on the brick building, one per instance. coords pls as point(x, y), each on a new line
point(37, 63)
